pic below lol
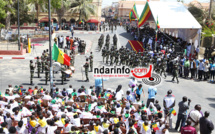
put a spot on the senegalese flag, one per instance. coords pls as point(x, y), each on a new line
point(145, 15)
point(41, 89)
point(60, 56)
point(134, 11)
point(146, 128)
point(131, 18)
point(172, 111)
point(155, 126)
point(20, 91)
point(157, 26)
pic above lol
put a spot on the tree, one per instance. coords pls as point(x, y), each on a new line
point(38, 4)
point(2, 11)
point(9, 10)
point(198, 13)
point(25, 17)
point(85, 8)
point(61, 8)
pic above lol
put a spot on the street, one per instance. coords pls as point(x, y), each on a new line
point(17, 72)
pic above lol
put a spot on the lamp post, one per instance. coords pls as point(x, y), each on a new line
point(18, 26)
point(50, 46)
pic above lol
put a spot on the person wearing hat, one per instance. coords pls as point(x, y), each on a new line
point(169, 103)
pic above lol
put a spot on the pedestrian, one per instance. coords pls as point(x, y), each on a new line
point(206, 69)
point(91, 61)
point(72, 30)
point(138, 91)
point(169, 103)
point(182, 113)
point(186, 68)
point(192, 68)
point(188, 129)
point(152, 91)
point(201, 68)
point(206, 125)
point(195, 116)
point(212, 72)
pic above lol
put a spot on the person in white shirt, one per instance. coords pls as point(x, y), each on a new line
point(69, 90)
point(31, 102)
point(67, 126)
point(76, 121)
point(194, 116)
point(97, 128)
point(132, 82)
point(86, 114)
point(169, 103)
point(119, 93)
point(90, 90)
point(2, 103)
point(47, 96)
point(21, 129)
point(51, 127)
point(58, 122)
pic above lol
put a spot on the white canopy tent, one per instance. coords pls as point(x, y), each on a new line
point(175, 19)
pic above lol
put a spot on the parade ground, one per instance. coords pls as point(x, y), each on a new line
point(17, 72)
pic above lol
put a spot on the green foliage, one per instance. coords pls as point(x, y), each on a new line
point(85, 8)
point(197, 13)
point(23, 11)
point(2, 11)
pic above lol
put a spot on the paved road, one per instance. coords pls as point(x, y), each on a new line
point(17, 72)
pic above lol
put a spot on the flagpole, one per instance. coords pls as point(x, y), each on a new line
point(50, 46)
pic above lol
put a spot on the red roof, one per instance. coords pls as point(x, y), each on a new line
point(92, 21)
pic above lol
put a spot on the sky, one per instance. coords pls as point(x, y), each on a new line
point(109, 2)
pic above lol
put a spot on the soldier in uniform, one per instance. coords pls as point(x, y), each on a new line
point(43, 61)
point(107, 54)
point(38, 66)
point(63, 78)
point(111, 56)
point(163, 67)
point(86, 66)
point(103, 53)
point(91, 61)
point(31, 71)
point(46, 72)
point(175, 72)
point(116, 56)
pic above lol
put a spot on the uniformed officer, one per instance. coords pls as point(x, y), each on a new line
point(116, 56)
point(107, 54)
point(91, 61)
point(43, 61)
point(175, 72)
point(63, 77)
point(46, 71)
point(86, 66)
point(103, 53)
point(38, 66)
point(32, 67)
point(163, 67)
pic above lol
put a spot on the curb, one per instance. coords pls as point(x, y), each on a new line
point(18, 58)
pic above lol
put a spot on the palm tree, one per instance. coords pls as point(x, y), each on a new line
point(9, 10)
point(85, 8)
point(62, 9)
point(38, 4)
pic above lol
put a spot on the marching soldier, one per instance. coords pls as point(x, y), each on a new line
point(91, 61)
point(46, 72)
point(86, 66)
point(163, 68)
point(31, 71)
point(116, 58)
point(107, 54)
point(103, 53)
point(111, 57)
point(175, 72)
point(63, 78)
point(43, 61)
point(38, 66)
